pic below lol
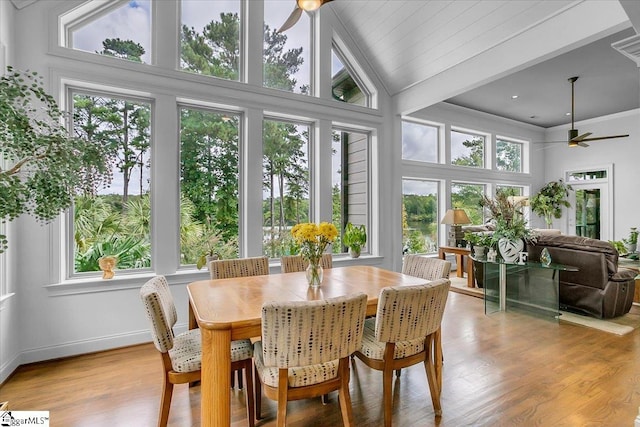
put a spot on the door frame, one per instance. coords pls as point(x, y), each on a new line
point(605, 185)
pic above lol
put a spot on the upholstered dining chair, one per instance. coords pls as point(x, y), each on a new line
point(426, 267)
point(305, 351)
point(182, 354)
point(291, 263)
point(403, 334)
point(238, 267)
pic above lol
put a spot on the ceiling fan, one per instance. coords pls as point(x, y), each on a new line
point(574, 139)
point(306, 5)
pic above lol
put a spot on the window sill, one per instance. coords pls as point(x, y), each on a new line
point(126, 281)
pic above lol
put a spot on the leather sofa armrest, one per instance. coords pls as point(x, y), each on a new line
point(623, 275)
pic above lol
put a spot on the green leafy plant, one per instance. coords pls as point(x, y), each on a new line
point(619, 246)
point(479, 238)
point(507, 216)
point(45, 166)
point(354, 237)
point(633, 237)
point(211, 244)
point(548, 202)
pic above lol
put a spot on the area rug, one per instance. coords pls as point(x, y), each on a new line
point(620, 325)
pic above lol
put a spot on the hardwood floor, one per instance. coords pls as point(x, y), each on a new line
point(503, 369)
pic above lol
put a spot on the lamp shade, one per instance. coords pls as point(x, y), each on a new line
point(455, 216)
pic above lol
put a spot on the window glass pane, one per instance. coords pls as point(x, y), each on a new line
point(467, 149)
point(285, 169)
point(586, 176)
point(419, 216)
point(510, 190)
point(116, 220)
point(419, 142)
point(208, 185)
point(508, 156)
point(210, 38)
point(287, 55)
point(349, 179)
point(344, 87)
point(467, 197)
point(123, 32)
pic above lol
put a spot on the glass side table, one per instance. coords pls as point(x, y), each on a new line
point(529, 286)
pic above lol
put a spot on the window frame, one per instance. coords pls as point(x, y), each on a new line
point(485, 150)
point(524, 147)
point(439, 139)
point(71, 88)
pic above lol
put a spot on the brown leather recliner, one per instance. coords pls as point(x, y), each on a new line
point(599, 288)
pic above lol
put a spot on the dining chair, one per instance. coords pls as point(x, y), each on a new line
point(403, 333)
point(305, 349)
point(182, 353)
point(291, 263)
point(426, 267)
point(238, 267)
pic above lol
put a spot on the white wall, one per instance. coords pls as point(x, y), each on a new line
point(623, 153)
point(10, 331)
point(52, 317)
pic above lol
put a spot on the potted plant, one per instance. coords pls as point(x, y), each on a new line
point(212, 246)
point(548, 202)
point(46, 167)
point(480, 242)
point(631, 243)
point(354, 238)
point(510, 225)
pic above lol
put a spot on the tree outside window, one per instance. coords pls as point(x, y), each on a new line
point(115, 221)
point(419, 216)
point(468, 197)
point(467, 149)
point(508, 156)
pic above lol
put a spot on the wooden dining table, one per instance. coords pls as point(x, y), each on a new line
point(231, 309)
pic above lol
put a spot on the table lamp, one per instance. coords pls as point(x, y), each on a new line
point(455, 218)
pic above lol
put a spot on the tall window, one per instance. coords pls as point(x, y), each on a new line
point(210, 38)
point(467, 149)
point(419, 216)
point(419, 142)
point(344, 85)
point(285, 148)
point(116, 220)
point(467, 196)
point(208, 185)
point(349, 181)
point(119, 30)
point(508, 155)
point(287, 55)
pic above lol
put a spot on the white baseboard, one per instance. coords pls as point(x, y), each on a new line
point(75, 348)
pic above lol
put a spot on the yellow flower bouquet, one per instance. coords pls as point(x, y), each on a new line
point(313, 240)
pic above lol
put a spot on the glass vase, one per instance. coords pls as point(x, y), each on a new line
point(314, 274)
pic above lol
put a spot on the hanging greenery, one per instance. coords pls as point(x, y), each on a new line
point(42, 166)
point(548, 202)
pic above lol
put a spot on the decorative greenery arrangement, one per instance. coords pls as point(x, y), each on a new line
point(633, 236)
point(619, 246)
point(46, 166)
point(507, 217)
point(354, 237)
point(479, 238)
point(548, 202)
point(211, 244)
point(313, 239)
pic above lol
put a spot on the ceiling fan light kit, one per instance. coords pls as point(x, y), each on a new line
point(306, 5)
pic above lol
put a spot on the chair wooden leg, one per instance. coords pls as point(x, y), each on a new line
point(258, 389)
point(438, 357)
point(240, 385)
point(343, 393)
point(325, 399)
point(432, 378)
point(283, 388)
point(165, 403)
point(387, 396)
point(248, 372)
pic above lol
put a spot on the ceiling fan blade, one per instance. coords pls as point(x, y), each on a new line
point(577, 144)
point(291, 20)
point(580, 137)
point(605, 137)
